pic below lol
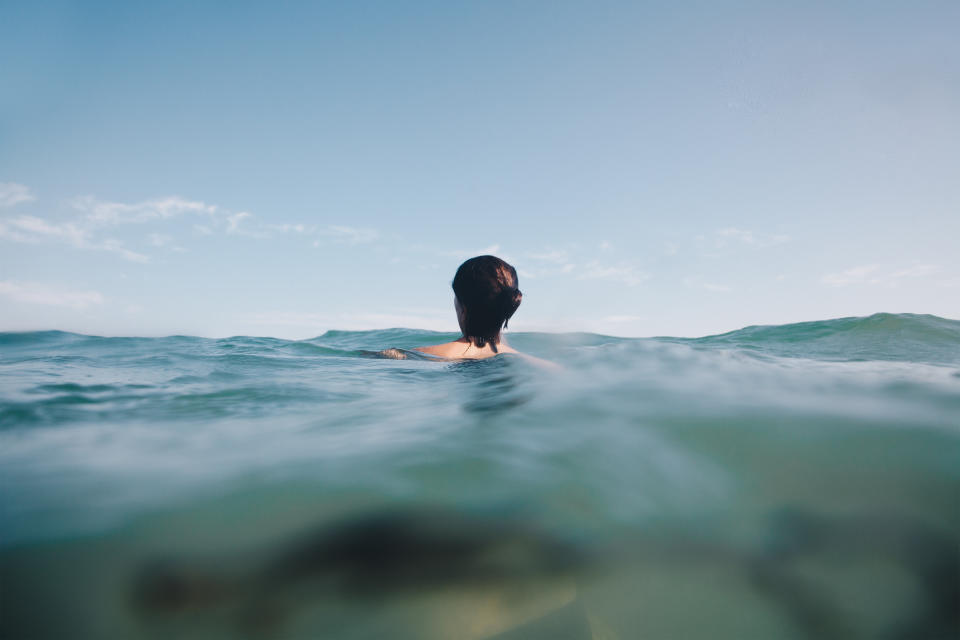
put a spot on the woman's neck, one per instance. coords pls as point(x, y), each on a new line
point(489, 347)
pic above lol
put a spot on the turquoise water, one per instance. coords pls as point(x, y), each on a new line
point(797, 481)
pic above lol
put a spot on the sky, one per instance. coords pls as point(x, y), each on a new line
point(286, 168)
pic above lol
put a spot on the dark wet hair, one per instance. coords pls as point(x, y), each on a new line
point(486, 287)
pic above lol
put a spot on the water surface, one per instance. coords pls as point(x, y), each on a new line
point(798, 481)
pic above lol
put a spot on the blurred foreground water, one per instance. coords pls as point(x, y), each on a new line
point(800, 481)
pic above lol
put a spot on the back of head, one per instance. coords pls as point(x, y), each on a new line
point(486, 288)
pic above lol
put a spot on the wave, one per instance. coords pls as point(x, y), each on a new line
point(907, 337)
point(882, 336)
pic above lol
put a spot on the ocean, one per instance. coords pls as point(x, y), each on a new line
point(796, 481)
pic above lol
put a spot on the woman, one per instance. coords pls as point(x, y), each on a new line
point(485, 298)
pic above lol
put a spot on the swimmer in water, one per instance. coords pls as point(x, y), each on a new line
point(485, 298)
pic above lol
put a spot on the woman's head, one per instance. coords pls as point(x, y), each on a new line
point(487, 295)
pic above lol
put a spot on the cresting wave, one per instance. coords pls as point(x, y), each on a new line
point(882, 336)
point(778, 482)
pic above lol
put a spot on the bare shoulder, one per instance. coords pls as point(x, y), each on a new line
point(539, 362)
point(439, 350)
point(459, 350)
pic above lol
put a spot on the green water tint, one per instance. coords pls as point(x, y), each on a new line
point(777, 482)
point(884, 336)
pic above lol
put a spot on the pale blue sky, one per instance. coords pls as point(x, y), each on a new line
point(650, 168)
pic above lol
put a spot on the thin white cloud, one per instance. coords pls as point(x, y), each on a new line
point(115, 246)
point(99, 213)
point(37, 293)
point(733, 235)
point(555, 256)
point(12, 193)
point(697, 282)
point(162, 240)
point(86, 230)
point(547, 271)
point(853, 275)
point(104, 212)
point(719, 288)
point(8, 232)
point(303, 229)
point(340, 234)
point(239, 224)
point(623, 273)
point(31, 229)
point(916, 271)
point(549, 262)
point(873, 274)
point(234, 220)
point(350, 235)
point(747, 237)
